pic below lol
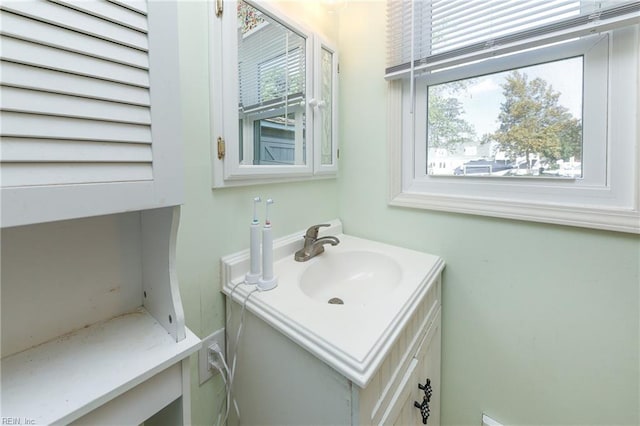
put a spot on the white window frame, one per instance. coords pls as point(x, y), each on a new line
point(228, 171)
point(607, 200)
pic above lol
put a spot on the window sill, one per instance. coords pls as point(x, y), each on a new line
point(607, 219)
point(220, 183)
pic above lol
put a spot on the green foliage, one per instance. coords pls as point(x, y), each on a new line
point(446, 126)
point(533, 122)
point(276, 83)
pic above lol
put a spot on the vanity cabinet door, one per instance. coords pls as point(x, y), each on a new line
point(401, 411)
point(424, 365)
point(429, 370)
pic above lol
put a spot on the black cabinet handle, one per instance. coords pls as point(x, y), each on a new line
point(424, 409)
point(428, 391)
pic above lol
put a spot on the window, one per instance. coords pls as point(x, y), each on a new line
point(282, 79)
point(523, 122)
point(518, 109)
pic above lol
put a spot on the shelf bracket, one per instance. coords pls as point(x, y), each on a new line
point(161, 295)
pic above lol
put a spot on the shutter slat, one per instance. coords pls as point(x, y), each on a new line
point(31, 101)
point(109, 11)
point(74, 94)
point(32, 174)
point(39, 32)
point(47, 57)
point(42, 79)
point(43, 126)
point(26, 150)
point(69, 18)
point(139, 6)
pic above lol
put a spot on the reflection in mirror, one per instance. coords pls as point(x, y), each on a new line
point(272, 90)
point(326, 94)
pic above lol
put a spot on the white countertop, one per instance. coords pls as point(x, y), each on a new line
point(351, 338)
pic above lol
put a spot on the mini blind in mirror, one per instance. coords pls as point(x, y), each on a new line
point(272, 87)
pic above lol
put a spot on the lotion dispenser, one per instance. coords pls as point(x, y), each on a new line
point(268, 280)
point(253, 276)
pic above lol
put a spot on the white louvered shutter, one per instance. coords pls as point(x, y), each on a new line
point(76, 96)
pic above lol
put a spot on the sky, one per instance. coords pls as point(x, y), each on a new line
point(482, 101)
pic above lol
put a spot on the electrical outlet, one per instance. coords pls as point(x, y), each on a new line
point(207, 372)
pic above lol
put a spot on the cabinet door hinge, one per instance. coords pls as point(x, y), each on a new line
point(221, 148)
point(219, 8)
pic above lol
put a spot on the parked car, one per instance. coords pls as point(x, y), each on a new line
point(483, 167)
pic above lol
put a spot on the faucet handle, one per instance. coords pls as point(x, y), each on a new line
point(312, 232)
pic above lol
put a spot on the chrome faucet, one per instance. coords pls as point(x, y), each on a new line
point(313, 245)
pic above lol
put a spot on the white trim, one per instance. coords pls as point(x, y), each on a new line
point(612, 220)
point(613, 206)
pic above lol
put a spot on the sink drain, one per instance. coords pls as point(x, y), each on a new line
point(336, 301)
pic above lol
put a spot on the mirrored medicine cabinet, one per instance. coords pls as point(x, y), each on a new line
point(274, 94)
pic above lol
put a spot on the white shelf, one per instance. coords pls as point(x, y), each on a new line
point(66, 378)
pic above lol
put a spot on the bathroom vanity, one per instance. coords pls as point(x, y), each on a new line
point(301, 359)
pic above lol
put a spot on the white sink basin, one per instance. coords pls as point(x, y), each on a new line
point(381, 286)
point(350, 277)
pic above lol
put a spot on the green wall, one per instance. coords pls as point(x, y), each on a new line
point(540, 322)
point(216, 222)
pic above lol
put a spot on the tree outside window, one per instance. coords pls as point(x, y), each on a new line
point(513, 123)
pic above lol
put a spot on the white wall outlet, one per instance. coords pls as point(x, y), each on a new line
point(205, 370)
